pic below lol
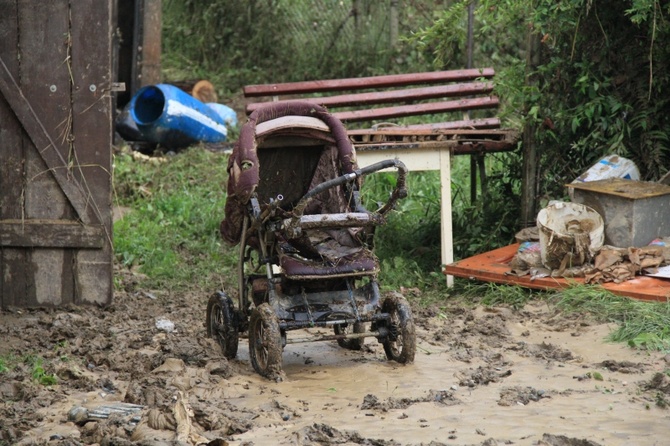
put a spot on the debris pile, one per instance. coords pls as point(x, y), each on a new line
point(610, 263)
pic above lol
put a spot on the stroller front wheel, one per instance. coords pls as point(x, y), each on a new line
point(221, 323)
point(400, 343)
point(265, 344)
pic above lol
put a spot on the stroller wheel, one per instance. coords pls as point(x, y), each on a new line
point(400, 344)
point(350, 344)
point(265, 345)
point(221, 323)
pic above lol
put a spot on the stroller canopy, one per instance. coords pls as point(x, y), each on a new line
point(244, 168)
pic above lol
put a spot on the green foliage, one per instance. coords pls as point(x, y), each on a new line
point(493, 294)
point(171, 235)
point(39, 374)
point(237, 43)
point(642, 325)
point(3, 365)
point(597, 88)
point(409, 244)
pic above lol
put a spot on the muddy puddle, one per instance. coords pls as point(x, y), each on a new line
point(481, 377)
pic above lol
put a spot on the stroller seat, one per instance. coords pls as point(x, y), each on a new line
point(326, 254)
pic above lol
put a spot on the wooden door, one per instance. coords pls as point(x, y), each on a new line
point(55, 153)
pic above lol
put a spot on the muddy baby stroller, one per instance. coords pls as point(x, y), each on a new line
point(305, 241)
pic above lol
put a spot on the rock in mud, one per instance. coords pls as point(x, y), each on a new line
point(562, 440)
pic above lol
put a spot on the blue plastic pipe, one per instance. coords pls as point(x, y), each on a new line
point(168, 116)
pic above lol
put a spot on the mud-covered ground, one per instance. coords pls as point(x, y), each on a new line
point(142, 372)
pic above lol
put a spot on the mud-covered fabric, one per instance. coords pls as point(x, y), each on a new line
point(243, 164)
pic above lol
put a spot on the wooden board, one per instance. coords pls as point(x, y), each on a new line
point(493, 266)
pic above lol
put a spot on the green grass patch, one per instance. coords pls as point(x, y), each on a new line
point(171, 235)
point(643, 325)
point(39, 373)
point(493, 294)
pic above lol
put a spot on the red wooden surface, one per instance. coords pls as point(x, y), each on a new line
point(416, 109)
point(389, 97)
point(357, 83)
point(492, 266)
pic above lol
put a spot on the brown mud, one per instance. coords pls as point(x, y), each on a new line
point(142, 372)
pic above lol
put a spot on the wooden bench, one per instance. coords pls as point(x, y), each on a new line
point(461, 99)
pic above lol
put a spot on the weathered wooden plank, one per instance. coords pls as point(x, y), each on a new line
point(41, 233)
point(457, 147)
point(44, 84)
point(92, 127)
point(13, 268)
point(484, 123)
point(394, 96)
point(151, 41)
point(410, 131)
point(360, 83)
point(55, 164)
point(417, 109)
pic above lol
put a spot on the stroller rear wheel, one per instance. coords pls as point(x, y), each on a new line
point(265, 345)
point(221, 324)
point(400, 344)
point(350, 344)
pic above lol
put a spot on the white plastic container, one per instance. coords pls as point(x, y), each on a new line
point(569, 229)
point(611, 166)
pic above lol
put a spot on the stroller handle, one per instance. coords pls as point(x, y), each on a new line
point(399, 192)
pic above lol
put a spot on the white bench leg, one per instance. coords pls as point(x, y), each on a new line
point(445, 212)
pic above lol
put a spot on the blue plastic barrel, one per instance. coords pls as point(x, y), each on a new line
point(168, 116)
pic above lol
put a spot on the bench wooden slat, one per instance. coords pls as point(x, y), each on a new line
point(484, 123)
point(371, 82)
point(416, 109)
point(388, 97)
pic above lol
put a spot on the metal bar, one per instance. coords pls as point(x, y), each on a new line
point(366, 334)
point(294, 325)
point(359, 83)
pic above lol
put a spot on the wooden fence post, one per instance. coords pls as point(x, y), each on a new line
point(530, 156)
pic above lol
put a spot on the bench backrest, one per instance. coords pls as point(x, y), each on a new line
point(380, 98)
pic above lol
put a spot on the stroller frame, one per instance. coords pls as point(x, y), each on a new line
point(284, 284)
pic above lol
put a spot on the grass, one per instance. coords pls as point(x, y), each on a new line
point(35, 367)
point(39, 374)
point(643, 325)
point(493, 294)
point(171, 235)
